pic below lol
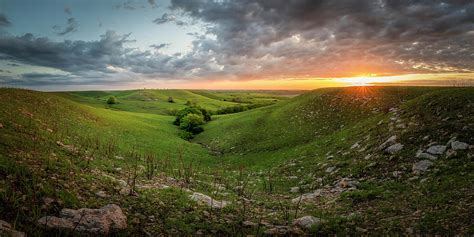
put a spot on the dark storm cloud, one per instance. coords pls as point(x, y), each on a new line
point(4, 22)
point(320, 36)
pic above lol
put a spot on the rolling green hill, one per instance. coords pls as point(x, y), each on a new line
point(360, 159)
point(156, 101)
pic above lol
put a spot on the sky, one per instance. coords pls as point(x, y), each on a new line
point(238, 44)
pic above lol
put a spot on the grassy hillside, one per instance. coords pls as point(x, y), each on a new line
point(323, 153)
point(156, 101)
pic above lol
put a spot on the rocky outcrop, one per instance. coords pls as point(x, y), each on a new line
point(307, 222)
point(206, 200)
point(7, 230)
point(101, 221)
point(421, 166)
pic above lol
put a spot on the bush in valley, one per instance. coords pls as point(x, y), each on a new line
point(190, 120)
point(186, 135)
point(191, 123)
point(188, 110)
point(112, 100)
point(170, 99)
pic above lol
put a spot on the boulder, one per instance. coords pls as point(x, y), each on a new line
point(389, 142)
point(101, 221)
point(395, 148)
point(457, 145)
point(436, 149)
point(421, 166)
point(7, 230)
point(307, 197)
point(209, 201)
point(307, 222)
point(424, 155)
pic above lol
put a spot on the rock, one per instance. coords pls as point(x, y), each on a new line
point(294, 189)
point(101, 221)
point(277, 230)
point(7, 230)
point(395, 148)
point(436, 149)
point(330, 169)
point(457, 145)
point(450, 153)
point(249, 224)
point(1, 125)
point(204, 199)
point(423, 155)
point(390, 141)
point(356, 145)
point(307, 197)
point(102, 194)
point(307, 222)
point(421, 166)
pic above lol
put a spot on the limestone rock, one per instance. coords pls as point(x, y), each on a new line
point(421, 166)
point(395, 148)
point(307, 222)
point(436, 150)
point(7, 230)
point(457, 145)
point(101, 221)
point(389, 142)
point(204, 199)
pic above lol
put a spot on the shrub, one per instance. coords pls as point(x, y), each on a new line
point(182, 113)
point(112, 100)
point(186, 135)
point(190, 123)
point(170, 99)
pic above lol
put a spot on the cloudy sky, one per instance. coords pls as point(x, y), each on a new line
point(220, 44)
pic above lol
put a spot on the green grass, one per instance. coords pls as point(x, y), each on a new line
point(156, 101)
point(257, 150)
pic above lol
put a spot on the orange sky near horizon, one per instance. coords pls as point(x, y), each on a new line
point(439, 79)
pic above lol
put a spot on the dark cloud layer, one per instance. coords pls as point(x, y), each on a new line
point(326, 36)
point(4, 21)
point(268, 39)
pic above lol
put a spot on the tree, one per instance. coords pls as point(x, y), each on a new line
point(192, 122)
point(182, 113)
point(112, 100)
point(170, 99)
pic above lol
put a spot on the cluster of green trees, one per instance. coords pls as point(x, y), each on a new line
point(190, 120)
point(237, 108)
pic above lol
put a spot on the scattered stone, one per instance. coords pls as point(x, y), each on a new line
point(294, 189)
point(421, 166)
point(249, 224)
point(397, 174)
point(395, 148)
point(204, 199)
point(293, 177)
point(101, 221)
point(436, 149)
point(356, 145)
point(7, 230)
point(423, 155)
point(1, 125)
point(277, 230)
point(102, 194)
point(119, 158)
point(389, 142)
point(450, 153)
point(307, 197)
point(330, 169)
point(307, 222)
point(457, 145)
